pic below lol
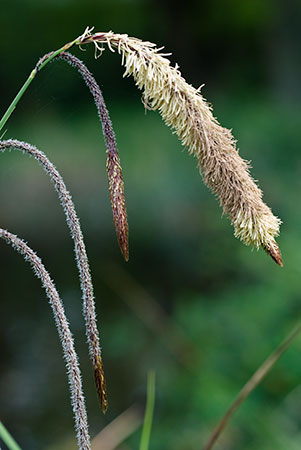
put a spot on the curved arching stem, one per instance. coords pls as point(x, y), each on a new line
point(81, 258)
point(114, 170)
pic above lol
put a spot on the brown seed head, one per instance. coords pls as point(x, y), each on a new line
point(100, 383)
point(114, 170)
point(116, 188)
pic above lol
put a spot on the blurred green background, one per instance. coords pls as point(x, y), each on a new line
point(193, 303)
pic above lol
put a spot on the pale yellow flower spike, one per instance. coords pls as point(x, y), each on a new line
point(184, 109)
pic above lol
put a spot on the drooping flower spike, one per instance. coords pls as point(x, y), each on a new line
point(114, 170)
point(185, 110)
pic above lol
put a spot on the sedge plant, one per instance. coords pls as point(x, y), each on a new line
point(184, 109)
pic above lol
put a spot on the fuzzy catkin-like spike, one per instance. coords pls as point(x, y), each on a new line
point(81, 258)
point(70, 356)
point(184, 109)
point(114, 170)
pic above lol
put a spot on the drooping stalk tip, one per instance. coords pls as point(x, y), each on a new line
point(100, 383)
point(113, 165)
point(118, 202)
point(185, 110)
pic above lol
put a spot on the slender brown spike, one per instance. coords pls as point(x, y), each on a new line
point(114, 170)
point(274, 251)
point(100, 383)
point(99, 376)
point(116, 188)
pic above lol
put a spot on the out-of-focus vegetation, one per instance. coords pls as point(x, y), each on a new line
point(193, 303)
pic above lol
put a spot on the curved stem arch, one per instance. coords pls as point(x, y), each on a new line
point(81, 258)
point(114, 170)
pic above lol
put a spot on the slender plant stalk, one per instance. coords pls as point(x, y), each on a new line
point(34, 72)
point(149, 411)
point(32, 75)
point(114, 170)
point(70, 356)
point(8, 439)
point(251, 385)
point(81, 258)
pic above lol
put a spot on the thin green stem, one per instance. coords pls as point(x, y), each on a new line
point(149, 411)
point(252, 384)
point(32, 75)
point(7, 438)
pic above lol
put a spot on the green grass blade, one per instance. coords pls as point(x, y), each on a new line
point(7, 438)
point(253, 382)
point(149, 411)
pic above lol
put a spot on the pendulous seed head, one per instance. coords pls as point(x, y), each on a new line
point(114, 170)
point(185, 110)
